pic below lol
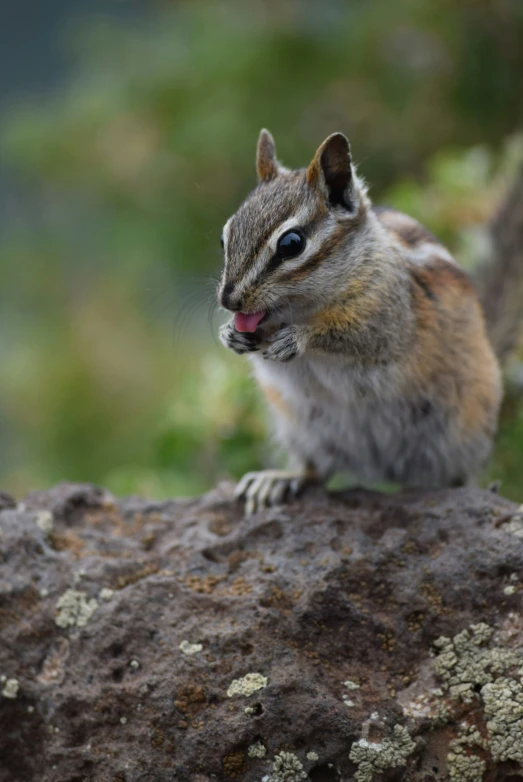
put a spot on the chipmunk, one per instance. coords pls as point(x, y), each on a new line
point(367, 339)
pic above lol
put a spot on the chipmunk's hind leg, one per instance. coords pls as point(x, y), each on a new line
point(272, 487)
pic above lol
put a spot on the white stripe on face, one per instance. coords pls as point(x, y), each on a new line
point(313, 246)
point(225, 235)
point(296, 221)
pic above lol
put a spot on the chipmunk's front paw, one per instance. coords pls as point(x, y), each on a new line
point(239, 341)
point(284, 345)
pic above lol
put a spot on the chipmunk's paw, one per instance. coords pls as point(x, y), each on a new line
point(269, 487)
point(239, 341)
point(284, 345)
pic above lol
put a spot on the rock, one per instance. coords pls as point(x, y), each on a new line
point(353, 637)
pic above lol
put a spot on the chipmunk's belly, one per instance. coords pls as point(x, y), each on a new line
point(345, 419)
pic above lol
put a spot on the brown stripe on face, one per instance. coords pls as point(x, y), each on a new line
point(276, 263)
point(270, 204)
point(266, 235)
point(327, 249)
point(303, 271)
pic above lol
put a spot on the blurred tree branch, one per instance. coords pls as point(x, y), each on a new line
point(501, 284)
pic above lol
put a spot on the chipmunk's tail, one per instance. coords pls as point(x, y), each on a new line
point(501, 284)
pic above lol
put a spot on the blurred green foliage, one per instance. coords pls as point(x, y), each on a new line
point(109, 369)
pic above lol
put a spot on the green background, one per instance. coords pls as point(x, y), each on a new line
point(110, 367)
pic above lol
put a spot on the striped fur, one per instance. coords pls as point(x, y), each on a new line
point(374, 355)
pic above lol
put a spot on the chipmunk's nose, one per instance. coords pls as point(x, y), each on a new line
point(228, 299)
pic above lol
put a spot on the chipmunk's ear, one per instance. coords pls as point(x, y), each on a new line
point(331, 172)
point(267, 165)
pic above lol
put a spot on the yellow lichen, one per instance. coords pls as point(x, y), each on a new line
point(45, 521)
point(10, 689)
point(286, 768)
point(257, 750)
point(375, 757)
point(248, 684)
point(503, 701)
point(188, 648)
point(462, 765)
point(467, 661)
point(74, 609)
point(473, 668)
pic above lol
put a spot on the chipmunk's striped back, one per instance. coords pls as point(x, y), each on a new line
point(417, 243)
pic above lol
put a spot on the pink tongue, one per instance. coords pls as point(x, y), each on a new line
point(244, 322)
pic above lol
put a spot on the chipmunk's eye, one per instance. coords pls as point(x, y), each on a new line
point(290, 244)
point(222, 242)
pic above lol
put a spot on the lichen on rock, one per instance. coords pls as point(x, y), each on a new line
point(474, 668)
point(74, 609)
point(464, 767)
point(286, 768)
point(503, 701)
point(248, 684)
point(276, 595)
point(256, 750)
point(186, 647)
point(375, 757)
point(45, 521)
point(10, 688)
point(515, 525)
point(462, 764)
point(468, 661)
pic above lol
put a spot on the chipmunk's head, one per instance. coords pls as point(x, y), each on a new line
point(287, 247)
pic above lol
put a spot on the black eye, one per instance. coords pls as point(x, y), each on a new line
point(222, 242)
point(290, 244)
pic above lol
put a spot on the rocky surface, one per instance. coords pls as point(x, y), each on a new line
point(352, 637)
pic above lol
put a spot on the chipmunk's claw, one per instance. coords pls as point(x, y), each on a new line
point(283, 345)
point(239, 341)
point(269, 487)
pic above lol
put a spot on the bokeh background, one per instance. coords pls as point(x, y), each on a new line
point(127, 136)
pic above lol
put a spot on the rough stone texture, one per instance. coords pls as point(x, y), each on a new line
point(316, 599)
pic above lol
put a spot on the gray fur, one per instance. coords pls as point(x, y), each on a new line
point(350, 400)
point(362, 421)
